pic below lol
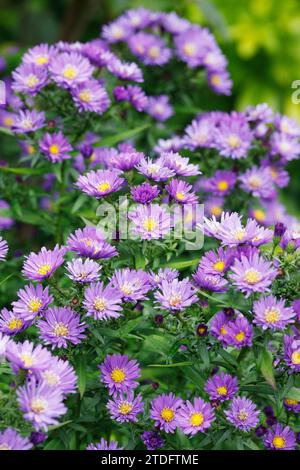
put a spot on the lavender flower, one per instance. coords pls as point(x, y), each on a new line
point(149, 48)
point(91, 96)
point(70, 69)
point(163, 274)
point(144, 193)
point(55, 147)
point(216, 263)
point(152, 440)
point(150, 221)
point(239, 332)
point(155, 169)
point(104, 445)
point(39, 55)
point(181, 192)
point(210, 282)
point(270, 312)
point(180, 165)
point(39, 266)
point(118, 373)
point(83, 271)
point(102, 302)
point(159, 108)
point(33, 301)
point(292, 352)
point(60, 375)
point(28, 121)
point(60, 326)
point(10, 439)
point(125, 408)
point(11, 323)
point(175, 295)
point(195, 417)
point(242, 414)
point(280, 438)
point(258, 182)
point(100, 183)
point(221, 183)
point(27, 356)
point(221, 387)
point(133, 285)
point(233, 136)
point(89, 242)
point(165, 412)
point(125, 161)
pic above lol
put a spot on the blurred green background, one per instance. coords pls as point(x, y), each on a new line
point(261, 39)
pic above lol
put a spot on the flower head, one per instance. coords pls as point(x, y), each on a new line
point(165, 412)
point(221, 387)
point(240, 332)
point(181, 192)
point(33, 301)
point(175, 295)
point(55, 147)
point(292, 352)
point(100, 183)
point(60, 375)
point(89, 242)
point(150, 221)
point(159, 108)
point(103, 303)
point(60, 326)
point(69, 69)
point(83, 271)
point(10, 439)
point(12, 323)
point(132, 284)
point(233, 136)
point(28, 121)
point(29, 78)
point(270, 312)
point(125, 408)
point(118, 373)
point(39, 56)
point(280, 438)
point(144, 193)
point(155, 169)
point(91, 96)
point(195, 417)
point(242, 413)
point(27, 356)
point(149, 48)
point(104, 445)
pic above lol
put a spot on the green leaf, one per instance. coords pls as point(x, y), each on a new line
point(2, 281)
point(78, 203)
point(116, 138)
point(82, 374)
point(266, 367)
point(175, 364)
point(182, 264)
point(228, 357)
point(6, 131)
point(293, 394)
point(24, 171)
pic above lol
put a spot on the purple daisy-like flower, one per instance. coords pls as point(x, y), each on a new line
point(155, 169)
point(89, 242)
point(165, 411)
point(150, 221)
point(159, 108)
point(28, 121)
point(270, 312)
point(41, 404)
point(118, 30)
point(149, 48)
point(10, 439)
point(258, 182)
point(199, 133)
point(144, 193)
point(29, 78)
point(233, 136)
point(239, 333)
point(3, 249)
point(210, 282)
point(287, 125)
point(192, 44)
point(243, 414)
point(287, 147)
point(163, 274)
point(104, 445)
point(181, 192)
point(118, 373)
point(291, 405)
point(27, 356)
point(217, 263)
point(195, 417)
point(94, 49)
point(152, 440)
point(55, 147)
point(252, 274)
point(83, 271)
point(60, 375)
point(219, 327)
point(132, 284)
point(12, 323)
point(125, 408)
point(39, 266)
point(61, 326)
point(39, 55)
point(221, 183)
point(221, 83)
point(232, 232)
point(137, 97)
point(70, 69)
point(102, 302)
point(221, 387)
point(180, 165)
point(91, 96)
point(292, 352)
point(100, 183)
point(140, 18)
point(280, 438)
point(173, 23)
point(175, 295)
point(33, 301)
point(125, 161)
point(125, 71)
point(213, 206)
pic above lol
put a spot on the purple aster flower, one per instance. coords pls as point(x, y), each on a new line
point(242, 414)
point(3, 249)
point(181, 192)
point(270, 312)
point(140, 18)
point(133, 285)
point(260, 113)
point(125, 71)
point(217, 263)
point(102, 302)
point(89, 242)
point(29, 78)
point(125, 408)
point(219, 327)
point(166, 274)
point(118, 30)
point(239, 332)
point(292, 405)
point(27, 356)
point(41, 404)
point(200, 132)
point(213, 206)
point(232, 232)
point(195, 417)
point(100, 183)
point(149, 48)
point(287, 147)
point(11, 323)
point(60, 375)
point(39, 266)
point(152, 440)
point(292, 352)
point(210, 282)
point(155, 169)
point(144, 193)
point(94, 49)
point(150, 221)
point(175, 295)
point(192, 44)
point(233, 136)
point(221, 183)
point(180, 165)
point(10, 439)
point(279, 229)
point(61, 326)
point(159, 107)
point(165, 411)
point(104, 445)
point(121, 93)
point(173, 144)
point(125, 161)
point(221, 387)
point(91, 96)
point(253, 274)
point(55, 147)
point(7, 119)
point(70, 69)
point(33, 301)
point(39, 55)
point(137, 97)
point(28, 121)
point(258, 182)
point(118, 373)
point(173, 23)
point(279, 175)
point(280, 438)
point(287, 125)
point(83, 271)
point(221, 83)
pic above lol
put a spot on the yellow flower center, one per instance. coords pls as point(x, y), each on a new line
point(8, 121)
point(61, 329)
point(44, 269)
point(30, 149)
point(34, 305)
point(117, 32)
point(54, 149)
point(252, 276)
point(51, 378)
point(38, 406)
point(279, 442)
point(240, 336)
point(27, 123)
point(154, 52)
point(219, 265)
point(99, 304)
point(125, 408)
point(175, 300)
point(272, 315)
point(149, 224)
point(14, 324)
point(70, 72)
point(216, 210)
point(223, 330)
point(222, 390)
point(32, 81)
point(222, 185)
point(167, 414)
point(243, 415)
point(42, 60)
point(215, 79)
point(103, 187)
point(4, 447)
point(259, 214)
point(296, 357)
point(239, 235)
point(196, 419)
point(27, 360)
point(118, 375)
point(190, 49)
point(288, 401)
point(234, 141)
point(180, 196)
point(85, 96)
point(126, 288)
point(255, 182)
